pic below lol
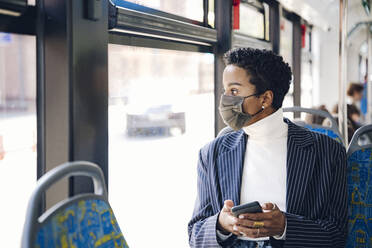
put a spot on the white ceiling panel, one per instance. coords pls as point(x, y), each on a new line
point(322, 13)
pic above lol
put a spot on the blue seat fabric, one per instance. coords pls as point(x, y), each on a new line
point(359, 179)
point(88, 223)
point(325, 131)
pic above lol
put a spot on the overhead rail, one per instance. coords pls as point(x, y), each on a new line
point(357, 26)
point(131, 18)
point(366, 5)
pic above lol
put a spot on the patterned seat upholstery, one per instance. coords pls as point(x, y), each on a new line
point(331, 131)
point(85, 220)
point(359, 179)
point(82, 223)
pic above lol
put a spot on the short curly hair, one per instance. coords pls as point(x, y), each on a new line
point(267, 71)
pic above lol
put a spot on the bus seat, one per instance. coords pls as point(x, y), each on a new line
point(359, 181)
point(84, 220)
point(331, 131)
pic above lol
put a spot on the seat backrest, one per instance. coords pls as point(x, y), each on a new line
point(85, 220)
point(331, 131)
point(359, 181)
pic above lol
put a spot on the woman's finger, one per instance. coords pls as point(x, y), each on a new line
point(253, 224)
point(248, 232)
point(228, 204)
point(268, 206)
point(253, 232)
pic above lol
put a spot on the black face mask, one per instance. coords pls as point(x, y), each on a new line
point(231, 111)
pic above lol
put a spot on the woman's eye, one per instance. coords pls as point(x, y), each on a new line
point(234, 92)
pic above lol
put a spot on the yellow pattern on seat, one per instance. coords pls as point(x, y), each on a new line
point(86, 223)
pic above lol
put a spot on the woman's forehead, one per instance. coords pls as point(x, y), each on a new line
point(234, 75)
point(235, 70)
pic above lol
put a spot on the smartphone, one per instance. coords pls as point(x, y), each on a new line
point(252, 207)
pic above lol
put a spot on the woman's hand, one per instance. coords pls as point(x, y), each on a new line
point(267, 224)
point(227, 220)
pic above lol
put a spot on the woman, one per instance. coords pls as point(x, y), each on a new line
point(353, 119)
point(298, 176)
point(355, 93)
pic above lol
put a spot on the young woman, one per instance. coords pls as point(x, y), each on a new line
point(297, 175)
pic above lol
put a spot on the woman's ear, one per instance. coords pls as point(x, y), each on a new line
point(268, 98)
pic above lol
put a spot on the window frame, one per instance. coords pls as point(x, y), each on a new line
point(155, 12)
point(24, 24)
point(296, 56)
point(132, 18)
point(241, 39)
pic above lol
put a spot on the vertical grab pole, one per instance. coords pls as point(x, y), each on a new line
point(342, 71)
point(369, 70)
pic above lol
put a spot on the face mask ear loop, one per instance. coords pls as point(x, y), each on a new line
point(256, 94)
point(259, 111)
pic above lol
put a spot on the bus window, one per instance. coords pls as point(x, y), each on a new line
point(307, 77)
point(161, 112)
point(17, 132)
point(252, 21)
point(192, 9)
point(286, 50)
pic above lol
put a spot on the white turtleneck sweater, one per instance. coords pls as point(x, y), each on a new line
point(264, 173)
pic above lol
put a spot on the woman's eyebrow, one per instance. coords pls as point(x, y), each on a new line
point(234, 83)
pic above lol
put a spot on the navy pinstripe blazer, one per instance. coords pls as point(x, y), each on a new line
point(316, 198)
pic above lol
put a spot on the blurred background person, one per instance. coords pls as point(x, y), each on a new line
point(355, 94)
point(353, 119)
point(316, 119)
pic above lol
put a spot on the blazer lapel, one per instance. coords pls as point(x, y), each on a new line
point(230, 165)
point(300, 165)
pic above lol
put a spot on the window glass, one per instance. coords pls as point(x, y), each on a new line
point(251, 21)
point(307, 78)
point(267, 21)
point(211, 13)
point(161, 112)
point(306, 83)
point(192, 9)
point(286, 37)
point(17, 132)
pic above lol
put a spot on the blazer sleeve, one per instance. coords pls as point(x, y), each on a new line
point(202, 227)
point(332, 230)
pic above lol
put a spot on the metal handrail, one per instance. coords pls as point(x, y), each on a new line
point(354, 145)
point(333, 127)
